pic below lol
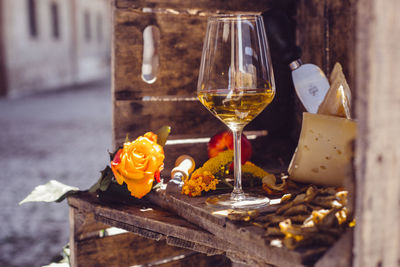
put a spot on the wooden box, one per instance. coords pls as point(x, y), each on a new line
point(361, 34)
point(171, 100)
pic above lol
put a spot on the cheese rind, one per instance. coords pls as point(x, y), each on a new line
point(337, 101)
point(324, 152)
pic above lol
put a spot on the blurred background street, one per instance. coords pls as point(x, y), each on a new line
point(63, 135)
point(55, 116)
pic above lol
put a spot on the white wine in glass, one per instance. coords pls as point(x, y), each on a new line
point(235, 84)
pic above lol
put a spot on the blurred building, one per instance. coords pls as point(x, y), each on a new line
point(48, 44)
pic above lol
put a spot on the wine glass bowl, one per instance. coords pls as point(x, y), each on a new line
point(235, 84)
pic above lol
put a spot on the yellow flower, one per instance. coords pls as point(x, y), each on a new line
point(213, 165)
point(137, 163)
point(203, 179)
point(199, 182)
point(254, 170)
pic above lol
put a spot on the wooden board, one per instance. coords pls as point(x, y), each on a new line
point(326, 34)
point(238, 5)
point(93, 243)
point(208, 234)
point(249, 237)
point(89, 215)
point(377, 235)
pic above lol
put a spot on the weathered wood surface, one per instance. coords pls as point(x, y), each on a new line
point(250, 237)
point(91, 247)
point(340, 255)
point(149, 221)
point(240, 242)
point(181, 36)
point(377, 235)
point(325, 32)
point(171, 100)
point(235, 5)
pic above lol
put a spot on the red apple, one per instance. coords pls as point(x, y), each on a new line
point(224, 140)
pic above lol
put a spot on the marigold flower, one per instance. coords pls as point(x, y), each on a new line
point(199, 182)
point(137, 163)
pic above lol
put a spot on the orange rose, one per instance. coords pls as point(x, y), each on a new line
point(137, 163)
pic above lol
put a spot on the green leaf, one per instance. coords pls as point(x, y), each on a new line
point(163, 134)
point(107, 175)
point(104, 181)
point(116, 193)
point(53, 191)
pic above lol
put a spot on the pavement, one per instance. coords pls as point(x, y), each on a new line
point(62, 135)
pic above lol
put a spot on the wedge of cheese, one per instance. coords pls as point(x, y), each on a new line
point(324, 152)
point(337, 101)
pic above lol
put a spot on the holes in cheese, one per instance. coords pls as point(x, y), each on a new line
point(324, 152)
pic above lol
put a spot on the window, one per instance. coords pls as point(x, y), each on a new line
point(55, 24)
point(99, 28)
point(86, 21)
point(32, 18)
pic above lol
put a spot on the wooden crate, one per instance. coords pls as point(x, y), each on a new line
point(171, 99)
point(361, 34)
point(152, 236)
point(171, 236)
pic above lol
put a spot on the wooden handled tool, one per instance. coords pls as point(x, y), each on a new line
point(184, 165)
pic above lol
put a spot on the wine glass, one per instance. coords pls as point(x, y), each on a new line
point(235, 84)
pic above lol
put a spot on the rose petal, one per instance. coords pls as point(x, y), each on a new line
point(139, 188)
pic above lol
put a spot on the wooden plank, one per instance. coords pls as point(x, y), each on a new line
point(341, 39)
point(180, 49)
point(326, 34)
point(135, 118)
point(238, 5)
point(125, 249)
point(88, 248)
point(240, 242)
point(198, 259)
point(251, 238)
point(82, 226)
point(377, 235)
point(311, 32)
point(145, 216)
point(145, 219)
point(338, 255)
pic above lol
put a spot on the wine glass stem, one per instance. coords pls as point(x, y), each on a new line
point(237, 193)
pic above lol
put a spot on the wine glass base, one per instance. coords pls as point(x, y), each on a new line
point(247, 202)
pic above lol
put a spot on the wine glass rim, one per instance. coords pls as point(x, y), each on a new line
point(233, 16)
